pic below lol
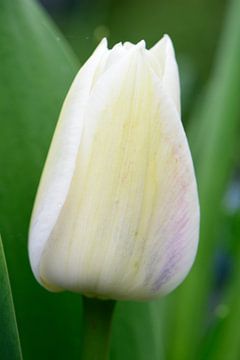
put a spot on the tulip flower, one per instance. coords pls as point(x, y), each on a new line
point(117, 213)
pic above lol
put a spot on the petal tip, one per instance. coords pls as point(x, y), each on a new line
point(103, 43)
point(141, 44)
point(165, 42)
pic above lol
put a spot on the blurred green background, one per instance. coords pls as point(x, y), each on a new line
point(40, 52)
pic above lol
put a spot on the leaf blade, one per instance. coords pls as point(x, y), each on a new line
point(10, 348)
point(36, 70)
point(213, 141)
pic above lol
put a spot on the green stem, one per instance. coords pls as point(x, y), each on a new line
point(97, 328)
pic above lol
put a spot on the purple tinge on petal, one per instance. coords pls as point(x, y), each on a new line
point(168, 270)
point(175, 257)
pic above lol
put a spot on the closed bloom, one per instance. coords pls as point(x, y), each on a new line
point(117, 214)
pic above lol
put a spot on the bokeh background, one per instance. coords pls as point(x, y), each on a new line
point(42, 45)
point(194, 26)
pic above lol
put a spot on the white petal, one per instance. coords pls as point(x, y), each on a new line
point(129, 224)
point(116, 54)
point(128, 45)
point(163, 51)
point(60, 164)
point(174, 228)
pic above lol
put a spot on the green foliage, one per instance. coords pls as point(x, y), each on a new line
point(137, 332)
point(36, 70)
point(214, 140)
point(10, 348)
point(225, 344)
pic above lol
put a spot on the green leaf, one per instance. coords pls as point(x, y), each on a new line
point(36, 70)
point(137, 331)
point(10, 348)
point(225, 339)
point(213, 140)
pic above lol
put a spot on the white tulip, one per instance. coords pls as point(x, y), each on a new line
point(117, 212)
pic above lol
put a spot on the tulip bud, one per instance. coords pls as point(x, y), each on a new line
point(117, 213)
